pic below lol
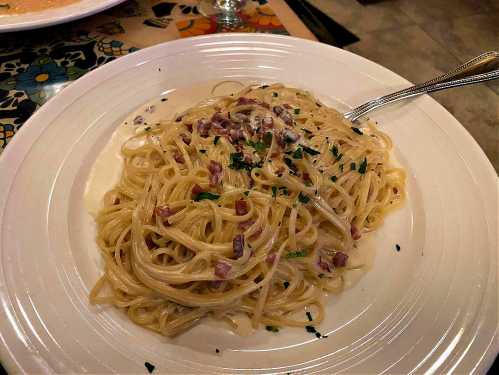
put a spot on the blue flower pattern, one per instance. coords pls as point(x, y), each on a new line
point(33, 70)
point(40, 75)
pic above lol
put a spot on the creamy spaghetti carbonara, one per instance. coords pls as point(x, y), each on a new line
point(244, 205)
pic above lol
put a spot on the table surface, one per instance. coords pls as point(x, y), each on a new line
point(37, 64)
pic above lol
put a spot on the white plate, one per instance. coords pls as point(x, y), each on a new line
point(431, 307)
point(54, 16)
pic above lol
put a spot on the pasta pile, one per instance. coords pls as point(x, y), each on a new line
point(249, 204)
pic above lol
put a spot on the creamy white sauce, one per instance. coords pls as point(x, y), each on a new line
point(106, 171)
point(243, 326)
point(360, 261)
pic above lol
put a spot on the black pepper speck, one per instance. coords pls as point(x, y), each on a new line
point(150, 367)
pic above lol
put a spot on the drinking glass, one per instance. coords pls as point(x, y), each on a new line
point(226, 11)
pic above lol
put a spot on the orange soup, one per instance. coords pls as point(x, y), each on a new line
point(23, 6)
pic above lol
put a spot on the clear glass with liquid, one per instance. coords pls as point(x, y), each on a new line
point(226, 11)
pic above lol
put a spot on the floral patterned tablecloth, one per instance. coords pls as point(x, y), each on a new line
point(35, 65)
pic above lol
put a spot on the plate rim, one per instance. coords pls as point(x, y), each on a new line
point(48, 19)
point(11, 159)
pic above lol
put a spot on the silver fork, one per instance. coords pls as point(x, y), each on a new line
point(484, 67)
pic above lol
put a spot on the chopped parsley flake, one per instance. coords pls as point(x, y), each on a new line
point(310, 151)
point(246, 192)
point(286, 285)
point(303, 198)
point(202, 151)
point(206, 195)
point(341, 167)
point(397, 246)
point(274, 191)
point(338, 158)
point(334, 178)
point(296, 111)
point(311, 329)
point(259, 146)
point(352, 166)
point(217, 350)
point(357, 130)
point(147, 128)
point(309, 316)
point(298, 154)
point(216, 139)
point(237, 162)
point(284, 190)
point(272, 328)
point(288, 138)
point(297, 254)
point(150, 367)
point(275, 95)
point(264, 86)
point(335, 151)
point(363, 166)
point(306, 131)
point(267, 138)
point(290, 164)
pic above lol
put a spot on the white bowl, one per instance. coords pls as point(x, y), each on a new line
point(432, 307)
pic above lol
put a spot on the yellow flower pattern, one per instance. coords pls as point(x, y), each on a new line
point(264, 16)
point(41, 77)
point(196, 26)
point(259, 19)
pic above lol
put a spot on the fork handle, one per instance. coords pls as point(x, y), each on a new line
point(482, 68)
